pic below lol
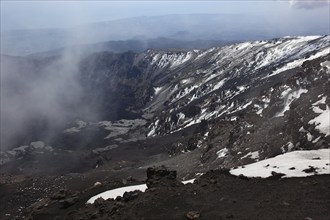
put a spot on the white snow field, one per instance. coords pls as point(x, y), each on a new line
point(291, 164)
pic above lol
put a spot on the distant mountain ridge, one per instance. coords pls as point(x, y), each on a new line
point(189, 27)
point(137, 45)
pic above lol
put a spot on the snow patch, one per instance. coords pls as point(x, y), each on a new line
point(219, 84)
point(259, 108)
point(290, 146)
point(289, 98)
point(291, 164)
point(309, 136)
point(187, 81)
point(322, 122)
point(239, 108)
point(188, 181)
point(222, 153)
point(80, 125)
point(326, 64)
point(152, 131)
point(157, 90)
point(112, 194)
point(321, 101)
point(316, 140)
point(252, 155)
point(171, 59)
point(120, 127)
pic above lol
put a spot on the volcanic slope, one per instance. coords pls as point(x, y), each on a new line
point(190, 110)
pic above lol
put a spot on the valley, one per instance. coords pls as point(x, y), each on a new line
point(200, 112)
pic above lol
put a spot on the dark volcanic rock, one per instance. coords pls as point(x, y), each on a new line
point(276, 175)
point(131, 195)
point(311, 169)
point(61, 194)
point(161, 176)
point(66, 203)
point(98, 202)
point(216, 195)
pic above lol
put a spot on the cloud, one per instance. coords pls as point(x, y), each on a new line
point(309, 4)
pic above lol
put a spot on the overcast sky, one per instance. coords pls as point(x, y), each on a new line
point(57, 14)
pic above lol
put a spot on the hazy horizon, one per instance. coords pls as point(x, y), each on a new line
point(16, 15)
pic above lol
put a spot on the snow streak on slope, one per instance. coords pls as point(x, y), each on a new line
point(289, 97)
point(299, 62)
point(171, 59)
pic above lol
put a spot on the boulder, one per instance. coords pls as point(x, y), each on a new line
point(131, 195)
point(161, 176)
point(193, 215)
point(61, 194)
point(66, 203)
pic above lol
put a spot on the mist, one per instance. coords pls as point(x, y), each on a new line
point(40, 96)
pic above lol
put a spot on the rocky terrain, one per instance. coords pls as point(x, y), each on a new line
point(215, 195)
point(190, 110)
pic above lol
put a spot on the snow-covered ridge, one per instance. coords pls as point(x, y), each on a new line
point(255, 62)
